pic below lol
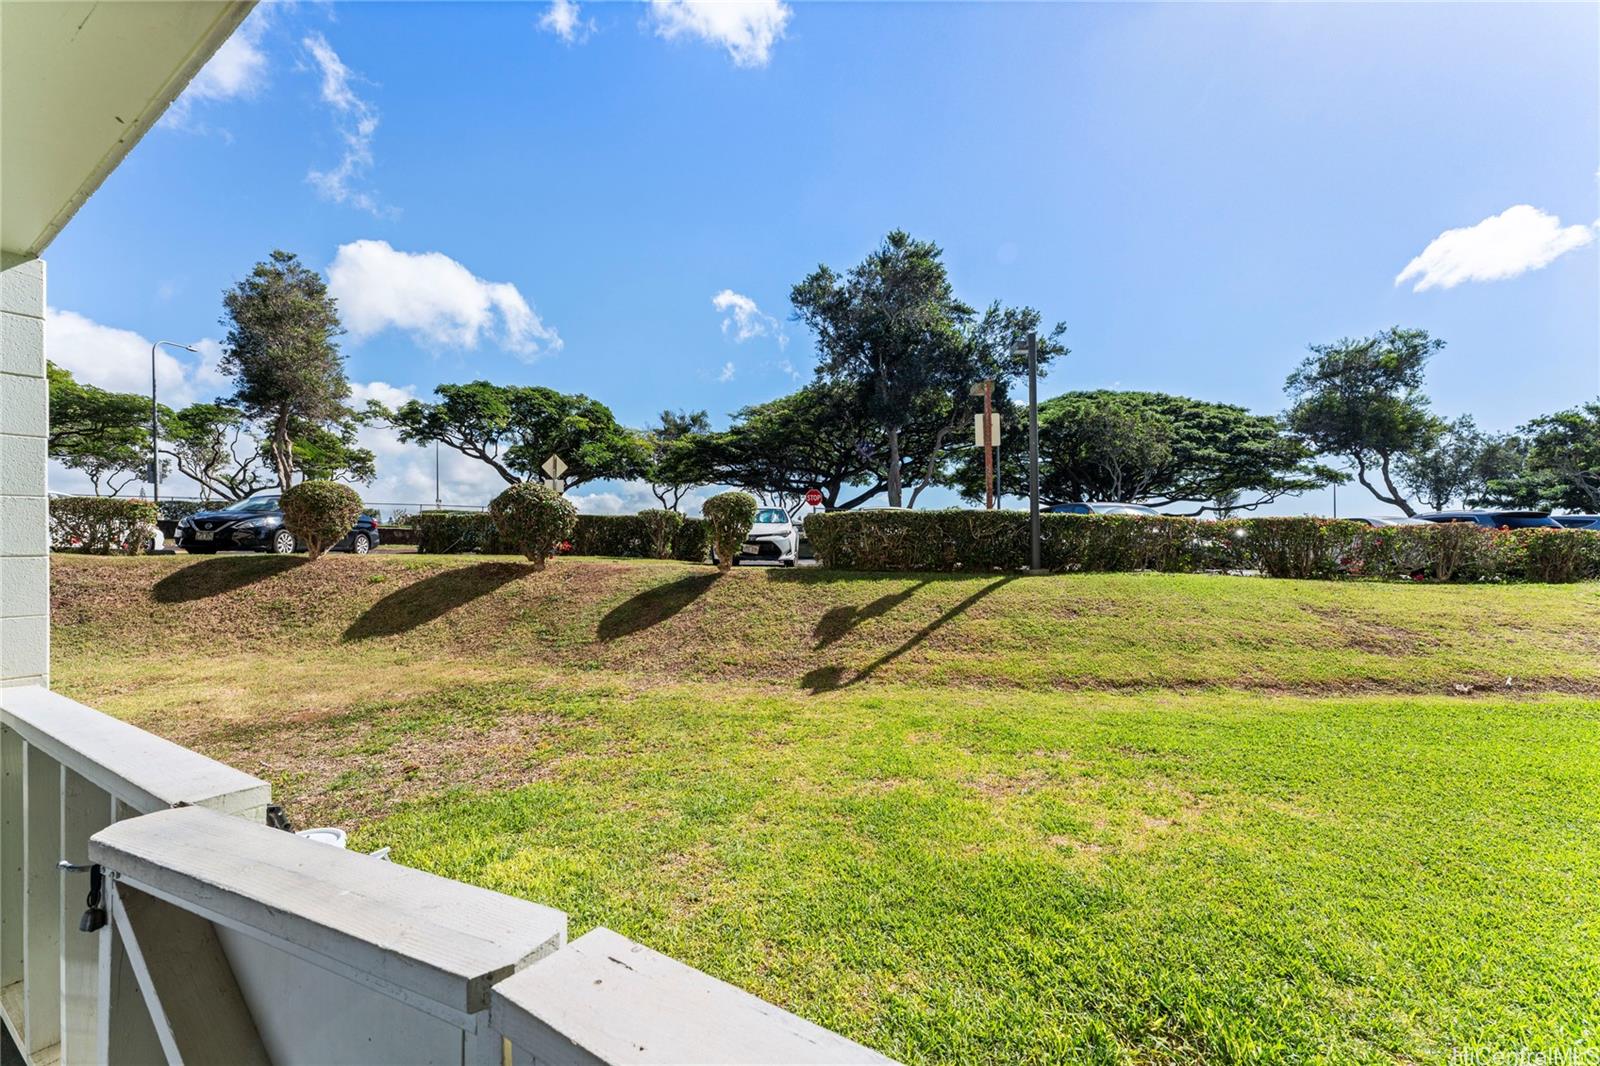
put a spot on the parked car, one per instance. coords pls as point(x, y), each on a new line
point(1578, 521)
point(1496, 519)
point(255, 524)
point(1378, 523)
point(1102, 507)
point(772, 538)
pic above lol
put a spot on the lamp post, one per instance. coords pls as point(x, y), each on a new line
point(155, 450)
point(1032, 348)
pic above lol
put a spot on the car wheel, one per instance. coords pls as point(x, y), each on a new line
point(788, 562)
point(283, 542)
point(362, 544)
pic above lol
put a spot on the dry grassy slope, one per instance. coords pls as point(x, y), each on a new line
point(818, 630)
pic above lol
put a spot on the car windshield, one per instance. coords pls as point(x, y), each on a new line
point(772, 516)
point(254, 505)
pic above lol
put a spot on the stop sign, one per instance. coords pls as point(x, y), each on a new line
point(814, 497)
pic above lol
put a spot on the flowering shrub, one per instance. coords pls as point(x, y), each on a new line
point(319, 513)
point(101, 525)
point(533, 519)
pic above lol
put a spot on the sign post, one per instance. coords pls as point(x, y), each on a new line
point(554, 467)
point(986, 430)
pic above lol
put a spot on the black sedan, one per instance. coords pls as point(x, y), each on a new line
point(256, 525)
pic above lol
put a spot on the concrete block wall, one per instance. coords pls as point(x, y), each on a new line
point(24, 423)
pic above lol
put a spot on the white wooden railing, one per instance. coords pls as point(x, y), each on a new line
point(228, 941)
point(67, 772)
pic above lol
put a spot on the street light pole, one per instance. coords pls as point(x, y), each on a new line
point(155, 438)
point(1033, 447)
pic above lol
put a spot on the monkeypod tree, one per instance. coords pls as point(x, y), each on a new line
point(1362, 400)
point(283, 354)
point(730, 516)
point(319, 513)
point(534, 519)
point(515, 428)
point(106, 435)
point(820, 437)
point(671, 467)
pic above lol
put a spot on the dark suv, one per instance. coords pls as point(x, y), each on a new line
point(1496, 519)
point(256, 525)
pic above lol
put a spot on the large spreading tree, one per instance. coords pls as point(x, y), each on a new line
point(820, 436)
point(282, 352)
point(893, 330)
point(1552, 462)
point(672, 447)
point(105, 435)
point(1361, 400)
point(1157, 449)
point(514, 428)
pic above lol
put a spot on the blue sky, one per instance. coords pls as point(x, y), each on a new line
point(559, 194)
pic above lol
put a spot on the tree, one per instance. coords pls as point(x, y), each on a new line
point(213, 445)
point(671, 470)
point(325, 453)
point(283, 354)
point(515, 428)
point(893, 330)
point(1362, 400)
point(819, 437)
point(1150, 447)
point(106, 435)
point(1560, 467)
point(1447, 467)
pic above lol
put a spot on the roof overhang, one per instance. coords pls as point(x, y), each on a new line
point(80, 83)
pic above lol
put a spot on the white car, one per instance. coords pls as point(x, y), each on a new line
point(773, 538)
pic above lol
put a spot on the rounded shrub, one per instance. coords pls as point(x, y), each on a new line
point(661, 529)
point(533, 520)
point(729, 516)
point(319, 513)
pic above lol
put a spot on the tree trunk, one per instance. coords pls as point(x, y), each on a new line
point(282, 451)
point(893, 478)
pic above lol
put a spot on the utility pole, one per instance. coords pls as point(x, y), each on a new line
point(1033, 449)
point(155, 451)
point(988, 445)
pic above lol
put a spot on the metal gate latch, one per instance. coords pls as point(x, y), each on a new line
point(95, 916)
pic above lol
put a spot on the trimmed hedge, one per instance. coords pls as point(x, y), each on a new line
point(442, 532)
point(627, 536)
point(729, 516)
point(632, 536)
point(101, 525)
point(319, 513)
point(966, 540)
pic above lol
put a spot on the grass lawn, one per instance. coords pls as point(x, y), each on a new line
point(1133, 818)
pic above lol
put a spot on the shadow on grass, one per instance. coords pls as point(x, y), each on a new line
point(213, 577)
point(837, 622)
point(652, 606)
point(830, 678)
point(432, 597)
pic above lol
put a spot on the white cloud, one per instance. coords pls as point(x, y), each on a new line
point(1517, 240)
point(745, 320)
point(237, 70)
point(358, 123)
point(630, 497)
point(746, 28)
point(434, 298)
point(727, 373)
point(118, 360)
point(563, 20)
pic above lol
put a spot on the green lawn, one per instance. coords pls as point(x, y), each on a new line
point(1129, 818)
